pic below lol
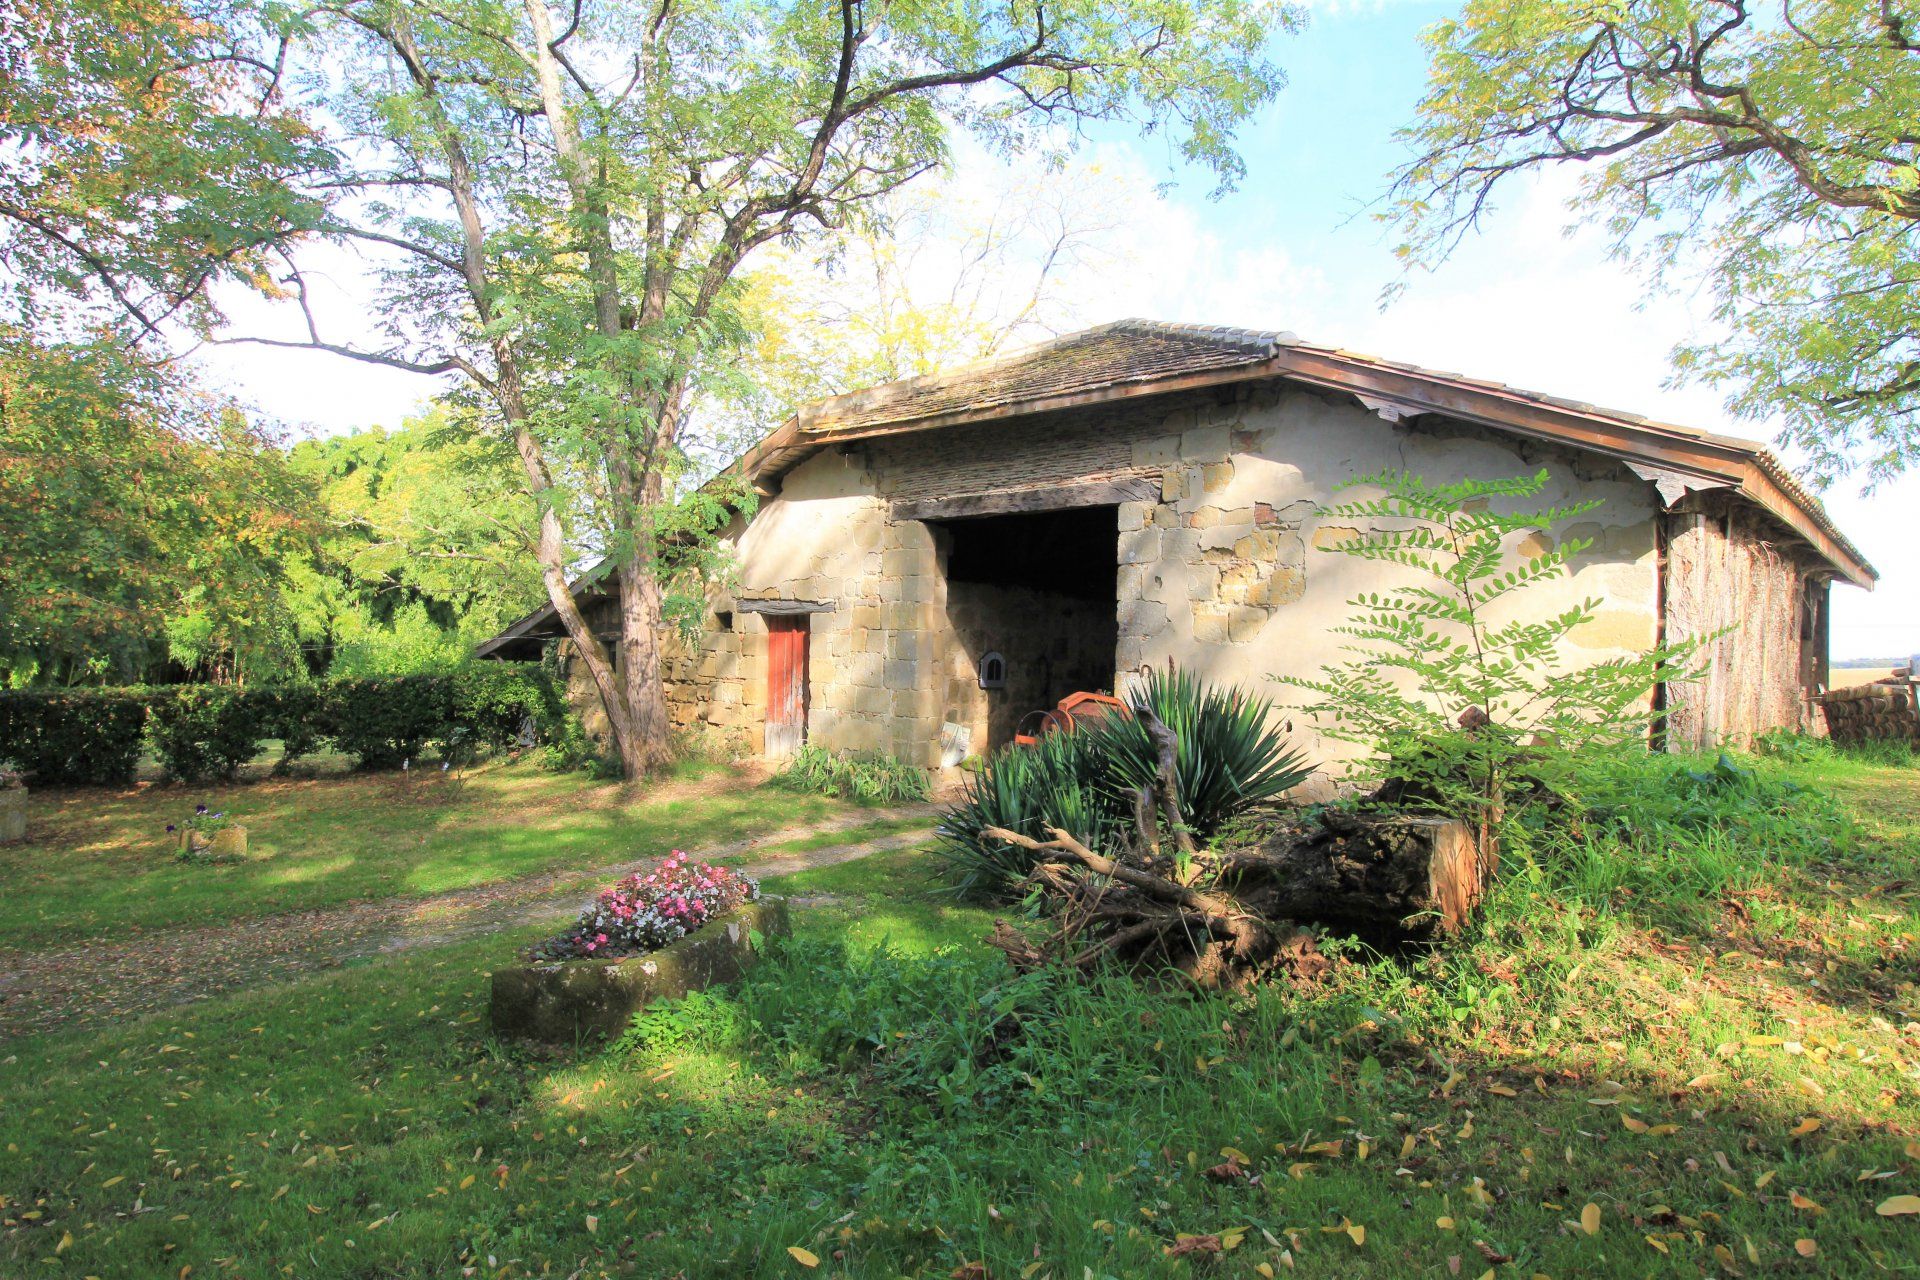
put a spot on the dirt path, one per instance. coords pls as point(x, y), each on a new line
point(99, 982)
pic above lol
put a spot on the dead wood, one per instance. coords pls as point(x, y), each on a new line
point(1387, 879)
point(1166, 781)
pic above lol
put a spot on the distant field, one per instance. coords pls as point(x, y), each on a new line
point(1847, 677)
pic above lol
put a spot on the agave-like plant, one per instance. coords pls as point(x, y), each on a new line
point(1055, 782)
point(1228, 755)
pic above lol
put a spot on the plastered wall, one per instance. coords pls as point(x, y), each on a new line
point(1227, 573)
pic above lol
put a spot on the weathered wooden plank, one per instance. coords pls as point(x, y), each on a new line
point(1105, 492)
point(779, 608)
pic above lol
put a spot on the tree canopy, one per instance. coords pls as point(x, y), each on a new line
point(1772, 152)
point(142, 523)
point(423, 546)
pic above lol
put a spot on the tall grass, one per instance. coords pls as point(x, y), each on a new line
point(863, 779)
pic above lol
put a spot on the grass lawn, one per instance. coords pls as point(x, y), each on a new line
point(1640, 1064)
point(100, 861)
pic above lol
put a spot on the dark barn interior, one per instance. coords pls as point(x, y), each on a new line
point(1039, 589)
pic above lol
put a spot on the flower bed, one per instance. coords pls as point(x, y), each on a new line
point(645, 912)
point(653, 936)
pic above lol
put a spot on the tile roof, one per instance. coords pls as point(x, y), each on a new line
point(1124, 351)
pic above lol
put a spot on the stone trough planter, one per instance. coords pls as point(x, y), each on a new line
point(565, 1001)
point(228, 844)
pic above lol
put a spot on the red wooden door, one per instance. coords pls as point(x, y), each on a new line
point(786, 684)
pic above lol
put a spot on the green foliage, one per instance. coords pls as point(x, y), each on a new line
point(91, 735)
point(142, 523)
point(1227, 757)
point(424, 553)
point(1770, 153)
point(1228, 752)
point(154, 159)
point(1056, 782)
point(1430, 661)
point(386, 722)
point(206, 731)
point(864, 778)
point(568, 749)
point(296, 715)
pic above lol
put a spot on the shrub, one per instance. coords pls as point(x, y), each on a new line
point(296, 714)
point(569, 749)
point(1449, 690)
point(73, 735)
point(201, 731)
point(494, 701)
point(1226, 758)
point(646, 912)
point(206, 731)
point(383, 722)
point(864, 779)
point(1055, 782)
point(1227, 753)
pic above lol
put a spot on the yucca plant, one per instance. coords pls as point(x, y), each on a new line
point(1055, 782)
point(1229, 754)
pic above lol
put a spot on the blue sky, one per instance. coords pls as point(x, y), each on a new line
point(1293, 249)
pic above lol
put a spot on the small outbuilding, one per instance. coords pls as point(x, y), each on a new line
point(935, 557)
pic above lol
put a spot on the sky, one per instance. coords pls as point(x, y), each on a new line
point(1293, 248)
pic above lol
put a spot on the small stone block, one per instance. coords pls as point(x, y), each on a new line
point(13, 814)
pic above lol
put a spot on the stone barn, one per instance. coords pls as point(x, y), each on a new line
point(936, 558)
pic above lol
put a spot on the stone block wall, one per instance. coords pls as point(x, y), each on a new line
point(1054, 645)
point(1229, 573)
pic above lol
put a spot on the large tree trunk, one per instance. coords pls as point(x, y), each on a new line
point(1386, 879)
point(649, 743)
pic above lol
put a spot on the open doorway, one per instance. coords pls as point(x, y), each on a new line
point(1031, 599)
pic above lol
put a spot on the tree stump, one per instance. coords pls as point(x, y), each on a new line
point(1386, 879)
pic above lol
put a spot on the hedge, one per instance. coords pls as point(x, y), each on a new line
point(208, 731)
point(73, 735)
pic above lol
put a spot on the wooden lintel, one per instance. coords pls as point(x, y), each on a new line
point(783, 607)
point(1110, 492)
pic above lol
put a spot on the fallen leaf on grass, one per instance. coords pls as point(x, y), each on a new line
point(1895, 1206)
point(805, 1257)
point(1590, 1219)
point(1804, 1128)
point(1184, 1245)
point(1805, 1247)
point(1230, 1170)
point(1802, 1202)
